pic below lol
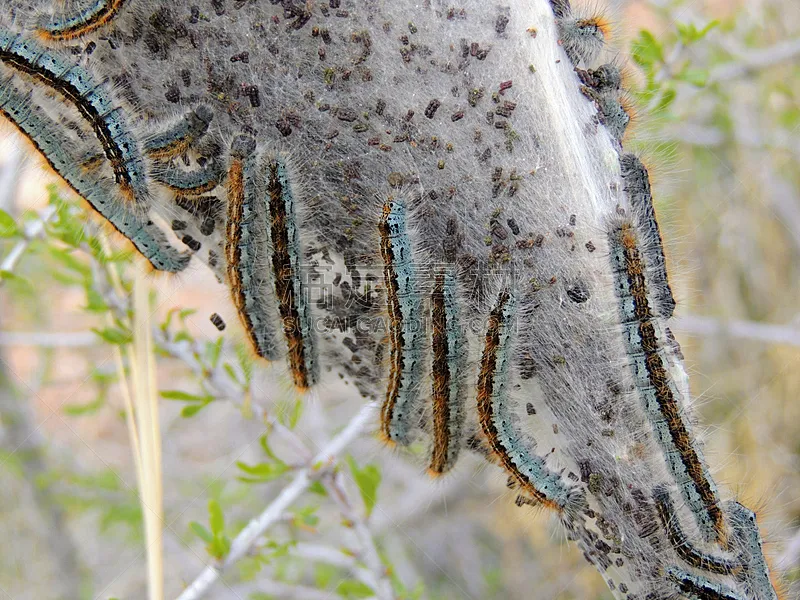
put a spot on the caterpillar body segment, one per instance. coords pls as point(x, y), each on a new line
point(92, 100)
point(448, 360)
point(21, 110)
point(247, 250)
point(404, 303)
point(85, 20)
point(509, 444)
point(291, 290)
point(657, 391)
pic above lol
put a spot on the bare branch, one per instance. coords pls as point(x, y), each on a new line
point(748, 330)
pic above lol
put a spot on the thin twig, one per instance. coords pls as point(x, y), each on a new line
point(31, 231)
point(369, 553)
point(748, 330)
point(754, 59)
point(49, 339)
point(278, 589)
point(334, 558)
point(302, 480)
point(223, 386)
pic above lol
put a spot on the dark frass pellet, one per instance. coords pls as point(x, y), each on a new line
point(218, 322)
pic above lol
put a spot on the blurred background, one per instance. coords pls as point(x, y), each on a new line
point(717, 83)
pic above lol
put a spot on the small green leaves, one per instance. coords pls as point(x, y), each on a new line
point(266, 471)
point(20, 284)
point(217, 543)
point(8, 226)
point(689, 33)
point(114, 335)
point(367, 479)
point(81, 410)
point(197, 403)
point(697, 77)
point(352, 590)
point(646, 50)
point(289, 412)
point(262, 472)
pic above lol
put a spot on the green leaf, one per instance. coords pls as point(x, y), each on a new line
point(113, 335)
point(352, 589)
point(697, 77)
point(262, 472)
point(267, 450)
point(68, 259)
point(367, 479)
point(317, 488)
point(324, 575)
point(245, 356)
point(231, 372)
point(308, 515)
point(201, 532)
point(129, 514)
point(215, 518)
point(78, 410)
point(667, 98)
point(295, 414)
point(249, 568)
point(646, 50)
point(689, 34)
point(185, 396)
point(214, 351)
point(17, 282)
point(95, 301)
point(184, 313)
point(8, 226)
point(192, 409)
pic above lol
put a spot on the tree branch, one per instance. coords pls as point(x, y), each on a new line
point(303, 478)
point(32, 230)
point(748, 330)
point(369, 553)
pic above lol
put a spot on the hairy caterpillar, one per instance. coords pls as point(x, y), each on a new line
point(176, 139)
point(247, 250)
point(190, 183)
point(290, 291)
point(93, 103)
point(747, 542)
point(681, 543)
point(656, 389)
point(447, 367)
point(637, 185)
point(696, 587)
point(43, 133)
point(508, 444)
point(405, 339)
point(97, 14)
